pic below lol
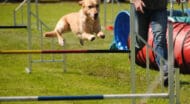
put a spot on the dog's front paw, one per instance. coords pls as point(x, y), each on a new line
point(101, 35)
point(92, 38)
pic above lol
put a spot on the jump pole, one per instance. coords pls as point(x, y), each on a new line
point(60, 51)
point(85, 97)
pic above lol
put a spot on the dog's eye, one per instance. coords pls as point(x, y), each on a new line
point(90, 7)
point(97, 6)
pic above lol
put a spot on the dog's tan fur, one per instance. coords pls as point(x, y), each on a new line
point(83, 23)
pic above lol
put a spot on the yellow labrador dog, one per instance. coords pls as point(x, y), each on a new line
point(84, 23)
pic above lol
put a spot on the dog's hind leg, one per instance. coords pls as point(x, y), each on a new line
point(55, 34)
point(50, 34)
point(60, 38)
point(61, 27)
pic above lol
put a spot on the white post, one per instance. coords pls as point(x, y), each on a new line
point(171, 59)
point(28, 70)
point(132, 48)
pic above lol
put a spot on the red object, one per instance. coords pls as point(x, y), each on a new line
point(110, 28)
point(181, 41)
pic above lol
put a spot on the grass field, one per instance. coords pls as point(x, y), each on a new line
point(86, 74)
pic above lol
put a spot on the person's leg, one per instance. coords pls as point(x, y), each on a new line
point(159, 28)
point(143, 21)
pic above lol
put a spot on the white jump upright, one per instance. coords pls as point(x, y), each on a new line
point(41, 26)
point(24, 21)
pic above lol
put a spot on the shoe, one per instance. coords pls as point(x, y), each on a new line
point(165, 80)
point(165, 75)
point(171, 19)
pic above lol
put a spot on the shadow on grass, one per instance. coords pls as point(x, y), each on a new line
point(183, 83)
point(75, 73)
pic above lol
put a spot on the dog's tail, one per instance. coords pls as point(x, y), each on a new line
point(50, 34)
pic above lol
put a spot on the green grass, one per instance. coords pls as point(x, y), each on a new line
point(86, 73)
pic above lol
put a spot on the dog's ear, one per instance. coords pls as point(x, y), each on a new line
point(81, 3)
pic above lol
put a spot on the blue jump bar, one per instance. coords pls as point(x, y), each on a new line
point(56, 98)
point(13, 27)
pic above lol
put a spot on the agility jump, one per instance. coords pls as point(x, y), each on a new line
point(170, 94)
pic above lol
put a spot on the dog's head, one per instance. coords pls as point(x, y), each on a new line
point(90, 8)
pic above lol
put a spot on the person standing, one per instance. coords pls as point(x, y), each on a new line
point(153, 13)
